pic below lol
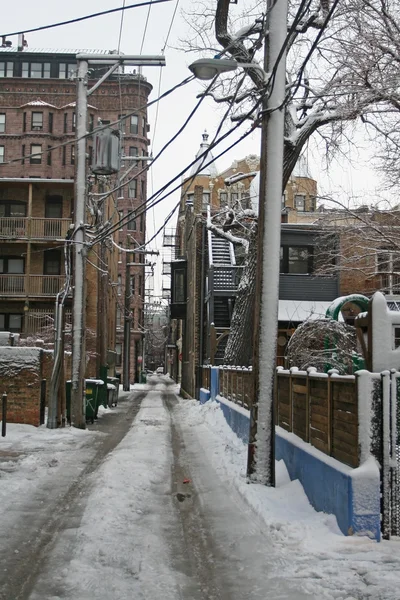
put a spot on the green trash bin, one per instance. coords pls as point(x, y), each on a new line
point(143, 377)
point(91, 399)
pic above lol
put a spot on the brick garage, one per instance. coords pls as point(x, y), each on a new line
point(20, 378)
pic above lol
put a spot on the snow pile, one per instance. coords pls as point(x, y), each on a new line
point(326, 563)
point(15, 359)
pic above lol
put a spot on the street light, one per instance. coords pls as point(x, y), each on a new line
point(261, 456)
point(207, 68)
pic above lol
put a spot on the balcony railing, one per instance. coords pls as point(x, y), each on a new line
point(35, 228)
point(31, 285)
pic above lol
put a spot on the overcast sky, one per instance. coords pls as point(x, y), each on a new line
point(103, 33)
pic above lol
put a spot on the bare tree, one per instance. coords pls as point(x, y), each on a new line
point(342, 68)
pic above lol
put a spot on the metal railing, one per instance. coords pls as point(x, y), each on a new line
point(31, 285)
point(35, 228)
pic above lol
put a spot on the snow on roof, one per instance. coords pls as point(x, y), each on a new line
point(13, 360)
point(38, 102)
point(298, 311)
point(73, 104)
point(53, 51)
point(208, 169)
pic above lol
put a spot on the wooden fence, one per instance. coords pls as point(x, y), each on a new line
point(236, 384)
point(321, 409)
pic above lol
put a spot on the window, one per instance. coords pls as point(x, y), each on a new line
point(234, 198)
point(73, 121)
point(23, 154)
point(144, 126)
point(64, 155)
point(131, 224)
point(65, 71)
point(283, 201)
point(179, 286)
point(133, 285)
point(140, 290)
point(223, 198)
point(49, 155)
point(119, 285)
point(24, 122)
point(6, 69)
point(142, 222)
point(12, 208)
point(50, 122)
point(37, 121)
point(11, 322)
point(134, 124)
point(53, 207)
point(9, 264)
point(65, 122)
point(72, 155)
point(132, 188)
point(2, 153)
point(396, 337)
point(313, 203)
point(206, 200)
point(91, 122)
point(2, 122)
point(36, 151)
point(36, 70)
point(118, 352)
point(297, 260)
point(133, 151)
point(388, 267)
point(300, 202)
point(52, 262)
point(143, 189)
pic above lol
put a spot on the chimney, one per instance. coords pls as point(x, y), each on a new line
point(21, 42)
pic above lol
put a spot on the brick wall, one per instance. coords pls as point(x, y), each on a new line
point(20, 378)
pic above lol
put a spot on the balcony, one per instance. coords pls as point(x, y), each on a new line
point(40, 286)
point(35, 228)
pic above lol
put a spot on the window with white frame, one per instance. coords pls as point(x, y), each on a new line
point(223, 198)
point(388, 267)
point(37, 121)
point(134, 124)
point(396, 337)
point(2, 153)
point(2, 122)
point(36, 154)
point(300, 202)
point(65, 71)
point(132, 188)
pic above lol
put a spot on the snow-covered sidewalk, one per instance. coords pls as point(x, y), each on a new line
point(127, 543)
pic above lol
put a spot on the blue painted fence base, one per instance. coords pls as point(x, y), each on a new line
point(352, 495)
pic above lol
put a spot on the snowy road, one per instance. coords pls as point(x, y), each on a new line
point(152, 504)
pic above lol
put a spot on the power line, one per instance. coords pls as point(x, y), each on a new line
point(101, 128)
point(91, 16)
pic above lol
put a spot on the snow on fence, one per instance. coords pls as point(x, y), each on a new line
point(323, 409)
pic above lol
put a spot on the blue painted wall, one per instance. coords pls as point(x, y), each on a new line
point(332, 490)
point(352, 495)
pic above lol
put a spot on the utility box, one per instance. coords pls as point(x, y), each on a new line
point(106, 152)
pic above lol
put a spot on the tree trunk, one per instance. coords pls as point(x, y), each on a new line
point(239, 348)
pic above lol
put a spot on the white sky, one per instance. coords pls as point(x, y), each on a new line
point(103, 33)
point(128, 542)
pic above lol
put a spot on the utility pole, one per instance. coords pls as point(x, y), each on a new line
point(79, 254)
point(80, 250)
point(127, 320)
point(261, 456)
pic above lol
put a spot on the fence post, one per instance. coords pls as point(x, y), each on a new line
point(310, 371)
point(330, 409)
point(43, 384)
point(386, 471)
point(4, 415)
point(293, 370)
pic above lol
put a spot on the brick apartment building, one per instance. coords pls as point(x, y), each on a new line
point(37, 156)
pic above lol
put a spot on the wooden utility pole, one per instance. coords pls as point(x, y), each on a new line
point(261, 456)
point(127, 320)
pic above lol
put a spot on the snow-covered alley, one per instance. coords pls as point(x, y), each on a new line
point(152, 503)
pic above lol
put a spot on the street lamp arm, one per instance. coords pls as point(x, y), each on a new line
point(207, 68)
